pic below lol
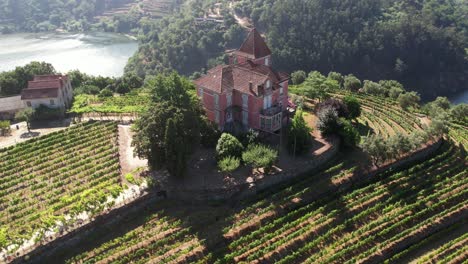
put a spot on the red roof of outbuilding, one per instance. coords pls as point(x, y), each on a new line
point(44, 86)
point(39, 93)
point(254, 46)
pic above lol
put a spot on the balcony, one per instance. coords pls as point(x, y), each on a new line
point(271, 119)
point(274, 110)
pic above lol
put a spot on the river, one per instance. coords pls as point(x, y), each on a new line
point(459, 98)
point(94, 53)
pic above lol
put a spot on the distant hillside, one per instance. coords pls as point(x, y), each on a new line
point(420, 43)
point(108, 15)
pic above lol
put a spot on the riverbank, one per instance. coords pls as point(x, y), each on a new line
point(94, 53)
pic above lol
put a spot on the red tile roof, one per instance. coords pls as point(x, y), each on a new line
point(238, 77)
point(254, 46)
point(39, 93)
point(44, 86)
point(50, 77)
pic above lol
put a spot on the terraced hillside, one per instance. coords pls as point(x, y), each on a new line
point(368, 222)
point(384, 116)
point(146, 8)
point(62, 174)
point(335, 216)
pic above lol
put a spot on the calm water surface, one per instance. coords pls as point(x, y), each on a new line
point(460, 98)
point(94, 53)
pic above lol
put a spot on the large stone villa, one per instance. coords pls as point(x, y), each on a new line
point(53, 91)
point(248, 91)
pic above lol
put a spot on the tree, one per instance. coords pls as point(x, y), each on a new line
point(392, 88)
point(228, 145)
point(298, 77)
point(175, 148)
point(26, 115)
point(438, 128)
point(409, 99)
point(460, 113)
point(375, 146)
point(442, 103)
point(317, 86)
point(351, 83)
point(260, 156)
point(327, 121)
point(298, 134)
point(373, 88)
point(348, 133)
point(398, 145)
point(338, 77)
point(395, 92)
point(166, 122)
point(353, 106)
point(209, 133)
point(336, 104)
point(171, 88)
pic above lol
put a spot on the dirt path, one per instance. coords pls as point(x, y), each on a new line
point(128, 162)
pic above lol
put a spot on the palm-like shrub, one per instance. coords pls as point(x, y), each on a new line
point(260, 156)
point(229, 164)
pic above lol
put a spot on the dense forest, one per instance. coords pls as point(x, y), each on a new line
point(421, 43)
point(183, 43)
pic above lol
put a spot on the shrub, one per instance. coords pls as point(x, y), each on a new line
point(229, 164)
point(228, 145)
point(44, 112)
point(327, 121)
point(260, 156)
point(298, 134)
point(4, 128)
point(251, 137)
point(353, 106)
point(106, 93)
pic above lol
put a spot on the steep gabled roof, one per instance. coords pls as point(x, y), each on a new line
point(255, 46)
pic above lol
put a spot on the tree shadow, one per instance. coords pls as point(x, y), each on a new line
point(363, 129)
point(30, 134)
